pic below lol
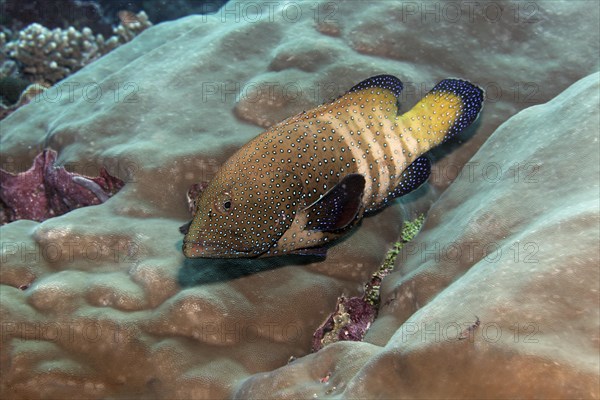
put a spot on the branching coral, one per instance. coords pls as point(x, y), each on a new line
point(8, 67)
point(51, 55)
point(131, 25)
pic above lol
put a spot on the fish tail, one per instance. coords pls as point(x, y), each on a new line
point(450, 107)
point(471, 99)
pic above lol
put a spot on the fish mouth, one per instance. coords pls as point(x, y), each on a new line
point(206, 249)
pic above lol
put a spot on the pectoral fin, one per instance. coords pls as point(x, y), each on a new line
point(337, 208)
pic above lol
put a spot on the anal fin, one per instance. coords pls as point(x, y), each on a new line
point(413, 176)
point(310, 251)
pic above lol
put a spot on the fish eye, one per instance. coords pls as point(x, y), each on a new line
point(224, 203)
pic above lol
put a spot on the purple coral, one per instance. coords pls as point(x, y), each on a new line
point(45, 190)
point(350, 321)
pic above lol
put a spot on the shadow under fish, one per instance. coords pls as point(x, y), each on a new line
point(205, 271)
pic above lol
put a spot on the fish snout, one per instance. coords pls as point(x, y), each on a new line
point(193, 249)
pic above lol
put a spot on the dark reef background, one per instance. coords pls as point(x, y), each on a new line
point(99, 15)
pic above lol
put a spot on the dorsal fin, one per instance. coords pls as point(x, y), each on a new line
point(388, 82)
point(339, 206)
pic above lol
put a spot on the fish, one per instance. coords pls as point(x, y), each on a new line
point(127, 17)
point(310, 179)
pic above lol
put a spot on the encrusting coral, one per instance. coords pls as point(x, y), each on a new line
point(46, 190)
point(409, 231)
point(353, 316)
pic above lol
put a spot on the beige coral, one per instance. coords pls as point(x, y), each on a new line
point(100, 302)
point(131, 25)
point(51, 55)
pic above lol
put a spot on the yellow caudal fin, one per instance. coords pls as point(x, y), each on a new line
point(450, 107)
